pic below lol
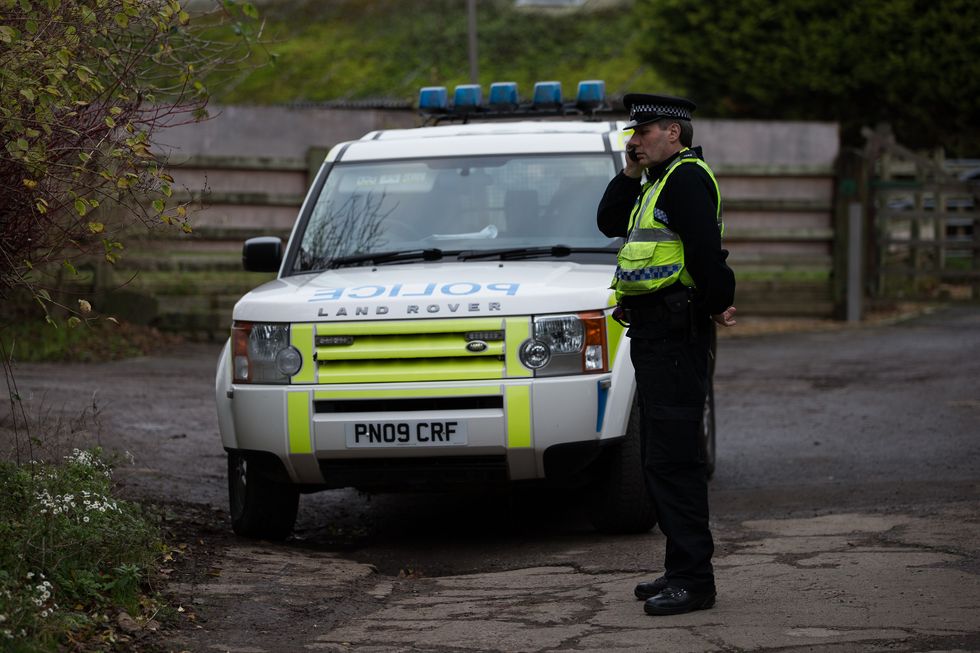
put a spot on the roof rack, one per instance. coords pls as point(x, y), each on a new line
point(503, 101)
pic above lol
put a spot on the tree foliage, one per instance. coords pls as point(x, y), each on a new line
point(913, 64)
point(373, 49)
point(84, 87)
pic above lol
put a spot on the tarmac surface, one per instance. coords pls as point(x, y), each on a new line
point(845, 509)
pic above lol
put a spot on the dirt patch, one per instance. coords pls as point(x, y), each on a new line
point(236, 592)
point(763, 325)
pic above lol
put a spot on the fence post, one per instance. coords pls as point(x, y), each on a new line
point(850, 190)
point(855, 245)
point(314, 159)
point(975, 269)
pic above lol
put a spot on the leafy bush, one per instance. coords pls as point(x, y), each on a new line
point(69, 552)
point(913, 65)
point(86, 85)
point(358, 49)
point(91, 342)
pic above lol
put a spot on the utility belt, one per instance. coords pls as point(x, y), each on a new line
point(672, 310)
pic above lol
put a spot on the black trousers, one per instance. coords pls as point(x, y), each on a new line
point(671, 379)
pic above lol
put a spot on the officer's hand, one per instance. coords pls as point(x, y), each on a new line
point(727, 318)
point(633, 169)
point(619, 314)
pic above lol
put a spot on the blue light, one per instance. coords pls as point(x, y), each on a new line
point(467, 96)
point(547, 94)
point(433, 98)
point(591, 94)
point(503, 95)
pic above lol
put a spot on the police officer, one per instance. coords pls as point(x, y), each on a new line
point(672, 284)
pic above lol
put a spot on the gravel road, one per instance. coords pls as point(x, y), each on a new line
point(845, 508)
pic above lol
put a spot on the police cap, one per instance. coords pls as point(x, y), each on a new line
point(646, 108)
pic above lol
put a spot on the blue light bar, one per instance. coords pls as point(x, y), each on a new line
point(467, 96)
point(433, 98)
point(591, 94)
point(547, 94)
point(503, 95)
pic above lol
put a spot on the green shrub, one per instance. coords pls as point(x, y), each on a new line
point(357, 49)
point(912, 65)
point(93, 341)
point(70, 553)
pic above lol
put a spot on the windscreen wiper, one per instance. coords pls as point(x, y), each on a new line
point(388, 257)
point(517, 253)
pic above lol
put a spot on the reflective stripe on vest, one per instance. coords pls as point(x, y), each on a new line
point(653, 255)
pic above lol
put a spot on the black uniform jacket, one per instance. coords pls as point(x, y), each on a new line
point(689, 203)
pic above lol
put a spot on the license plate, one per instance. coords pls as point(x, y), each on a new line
point(415, 433)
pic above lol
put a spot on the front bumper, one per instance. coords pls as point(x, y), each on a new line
point(512, 422)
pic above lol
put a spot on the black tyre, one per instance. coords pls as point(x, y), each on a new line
point(260, 507)
point(619, 502)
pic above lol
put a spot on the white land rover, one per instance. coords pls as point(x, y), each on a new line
point(441, 316)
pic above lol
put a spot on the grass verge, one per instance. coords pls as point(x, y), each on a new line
point(95, 341)
point(75, 563)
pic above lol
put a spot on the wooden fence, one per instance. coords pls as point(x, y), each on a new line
point(779, 228)
point(247, 171)
point(789, 196)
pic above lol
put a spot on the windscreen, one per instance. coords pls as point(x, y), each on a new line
point(465, 203)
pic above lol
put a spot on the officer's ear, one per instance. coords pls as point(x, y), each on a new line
point(674, 131)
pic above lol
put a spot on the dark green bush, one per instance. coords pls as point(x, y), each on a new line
point(70, 553)
point(914, 65)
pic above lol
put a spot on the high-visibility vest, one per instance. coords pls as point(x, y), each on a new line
point(653, 256)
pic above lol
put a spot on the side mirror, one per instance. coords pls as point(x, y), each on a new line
point(262, 254)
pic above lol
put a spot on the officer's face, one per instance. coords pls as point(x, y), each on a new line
point(655, 144)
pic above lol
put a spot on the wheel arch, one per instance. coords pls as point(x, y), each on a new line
point(222, 398)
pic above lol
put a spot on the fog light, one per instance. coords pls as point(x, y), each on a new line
point(534, 354)
point(289, 361)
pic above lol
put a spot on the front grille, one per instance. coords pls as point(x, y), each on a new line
point(464, 349)
point(400, 405)
point(375, 473)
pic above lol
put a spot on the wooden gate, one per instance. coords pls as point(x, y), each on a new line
point(923, 224)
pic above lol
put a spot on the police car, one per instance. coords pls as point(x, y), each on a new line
point(441, 318)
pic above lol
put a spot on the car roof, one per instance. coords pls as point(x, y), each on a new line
point(486, 138)
point(499, 128)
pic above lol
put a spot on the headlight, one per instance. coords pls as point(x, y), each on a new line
point(566, 344)
point(562, 333)
point(261, 353)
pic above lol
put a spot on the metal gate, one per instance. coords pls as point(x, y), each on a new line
point(923, 224)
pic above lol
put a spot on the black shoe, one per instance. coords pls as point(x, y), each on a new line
point(650, 589)
point(674, 600)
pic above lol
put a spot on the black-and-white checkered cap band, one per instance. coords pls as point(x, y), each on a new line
point(643, 111)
